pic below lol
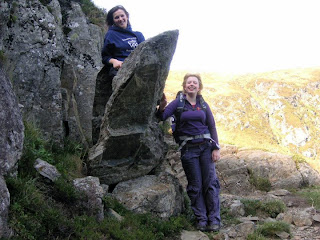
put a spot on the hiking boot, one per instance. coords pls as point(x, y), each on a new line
point(213, 228)
point(201, 228)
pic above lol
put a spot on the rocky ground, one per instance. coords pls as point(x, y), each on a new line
point(298, 204)
point(303, 218)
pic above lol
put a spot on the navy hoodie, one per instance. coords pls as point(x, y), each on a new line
point(119, 43)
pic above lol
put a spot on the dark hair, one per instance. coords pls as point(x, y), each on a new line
point(109, 19)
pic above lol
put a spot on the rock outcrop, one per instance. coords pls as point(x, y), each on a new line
point(52, 56)
point(4, 208)
point(11, 144)
point(131, 143)
point(281, 171)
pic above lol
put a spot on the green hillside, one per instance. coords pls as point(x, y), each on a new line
point(275, 111)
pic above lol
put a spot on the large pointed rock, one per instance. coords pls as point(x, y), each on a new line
point(130, 143)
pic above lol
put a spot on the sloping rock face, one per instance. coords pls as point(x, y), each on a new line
point(236, 169)
point(281, 170)
point(11, 143)
point(102, 94)
point(131, 143)
point(52, 57)
point(11, 126)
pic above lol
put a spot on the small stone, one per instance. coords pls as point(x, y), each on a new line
point(316, 218)
point(283, 235)
point(280, 192)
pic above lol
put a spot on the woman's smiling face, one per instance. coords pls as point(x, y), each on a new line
point(192, 85)
point(120, 19)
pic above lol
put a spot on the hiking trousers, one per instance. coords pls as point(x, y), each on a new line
point(203, 186)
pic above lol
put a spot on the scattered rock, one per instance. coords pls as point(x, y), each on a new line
point(161, 195)
point(316, 218)
point(193, 235)
point(46, 170)
point(302, 218)
point(93, 192)
point(112, 213)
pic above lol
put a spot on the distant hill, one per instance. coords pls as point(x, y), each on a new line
point(275, 111)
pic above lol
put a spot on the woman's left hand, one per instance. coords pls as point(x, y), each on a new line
point(163, 102)
point(215, 155)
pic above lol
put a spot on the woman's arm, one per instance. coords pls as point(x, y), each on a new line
point(165, 111)
point(215, 155)
point(108, 49)
point(115, 63)
point(212, 125)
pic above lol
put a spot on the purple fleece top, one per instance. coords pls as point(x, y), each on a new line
point(194, 121)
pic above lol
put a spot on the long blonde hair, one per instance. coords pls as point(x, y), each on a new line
point(196, 75)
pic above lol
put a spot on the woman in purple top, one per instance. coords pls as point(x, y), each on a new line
point(199, 151)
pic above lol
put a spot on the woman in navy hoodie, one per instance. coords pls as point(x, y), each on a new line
point(120, 40)
point(199, 151)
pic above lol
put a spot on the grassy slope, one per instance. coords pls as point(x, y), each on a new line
point(275, 111)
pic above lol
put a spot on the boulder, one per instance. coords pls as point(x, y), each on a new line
point(161, 195)
point(233, 175)
point(92, 196)
point(131, 143)
point(46, 170)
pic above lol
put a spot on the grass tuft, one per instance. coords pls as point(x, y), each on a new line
point(312, 194)
point(270, 208)
point(270, 230)
point(260, 183)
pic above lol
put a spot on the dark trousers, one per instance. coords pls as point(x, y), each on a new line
point(203, 185)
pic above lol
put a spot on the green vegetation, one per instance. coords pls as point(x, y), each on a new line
point(67, 160)
point(260, 183)
point(13, 18)
point(96, 15)
point(2, 56)
point(143, 226)
point(165, 127)
point(44, 210)
point(227, 217)
point(312, 194)
point(270, 230)
point(270, 208)
point(298, 159)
